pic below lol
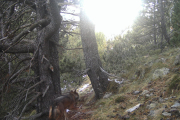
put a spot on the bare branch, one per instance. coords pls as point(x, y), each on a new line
point(102, 70)
point(20, 48)
point(34, 98)
point(25, 32)
point(71, 13)
point(45, 91)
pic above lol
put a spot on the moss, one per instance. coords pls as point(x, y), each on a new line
point(120, 99)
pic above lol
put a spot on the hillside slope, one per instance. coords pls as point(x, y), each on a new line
point(146, 91)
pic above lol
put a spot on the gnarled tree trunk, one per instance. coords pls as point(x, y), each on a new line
point(99, 80)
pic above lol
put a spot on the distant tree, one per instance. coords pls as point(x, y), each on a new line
point(163, 25)
point(175, 28)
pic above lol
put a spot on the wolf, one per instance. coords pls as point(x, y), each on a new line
point(57, 110)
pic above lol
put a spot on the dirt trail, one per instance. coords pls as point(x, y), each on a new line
point(84, 112)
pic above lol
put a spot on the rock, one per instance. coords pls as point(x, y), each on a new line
point(135, 92)
point(176, 105)
point(147, 95)
point(177, 60)
point(151, 106)
point(107, 95)
point(161, 100)
point(174, 112)
point(133, 108)
point(166, 98)
point(151, 113)
point(151, 90)
point(166, 114)
point(144, 92)
point(160, 72)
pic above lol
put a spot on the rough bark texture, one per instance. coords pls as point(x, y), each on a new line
point(19, 37)
point(48, 55)
point(98, 79)
point(163, 25)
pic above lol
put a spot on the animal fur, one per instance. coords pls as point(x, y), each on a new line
point(68, 101)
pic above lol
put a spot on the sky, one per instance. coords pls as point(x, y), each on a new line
point(111, 17)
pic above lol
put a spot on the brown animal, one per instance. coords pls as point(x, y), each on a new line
point(68, 101)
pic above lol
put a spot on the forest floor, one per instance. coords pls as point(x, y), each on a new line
point(148, 91)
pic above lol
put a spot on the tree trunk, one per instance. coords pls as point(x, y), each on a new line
point(163, 25)
point(155, 42)
point(99, 80)
point(48, 61)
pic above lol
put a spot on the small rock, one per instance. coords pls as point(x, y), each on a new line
point(144, 92)
point(176, 105)
point(174, 112)
point(147, 95)
point(151, 106)
point(151, 90)
point(161, 100)
point(160, 72)
point(151, 113)
point(166, 114)
point(166, 98)
point(177, 60)
point(107, 95)
point(136, 92)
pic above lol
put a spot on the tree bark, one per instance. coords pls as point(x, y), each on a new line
point(48, 56)
point(99, 80)
point(163, 25)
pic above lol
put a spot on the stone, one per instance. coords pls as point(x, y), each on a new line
point(160, 72)
point(144, 92)
point(151, 113)
point(152, 105)
point(133, 108)
point(136, 92)
point(174, 112)
point(161, 100)
point(107, 95)
point(176, 105)
point(166, 114)
point(177, 60)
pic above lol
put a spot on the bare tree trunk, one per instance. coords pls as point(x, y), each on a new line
point(48, 57)
point(99, 80)
point(155, 42)
point(163, 25)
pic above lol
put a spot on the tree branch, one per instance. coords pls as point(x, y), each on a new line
point(34, 98)
point(20, 48)
point(25, 32)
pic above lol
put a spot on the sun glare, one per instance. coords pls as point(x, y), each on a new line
point(111, 17)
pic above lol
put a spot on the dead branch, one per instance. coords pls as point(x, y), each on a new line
point(44, 93)
point(71, 13)
point(102, 70)
point(80, 73)
point(34, 98)
point(20, 48)
point(35, 25)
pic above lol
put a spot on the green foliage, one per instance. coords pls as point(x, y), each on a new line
point(120, 99)
point(175, 83)
point(113, 87)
